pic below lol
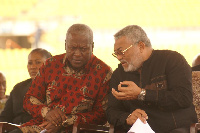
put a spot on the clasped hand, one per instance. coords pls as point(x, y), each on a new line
point(53, 120)
point(138, 113)
point(130, 92)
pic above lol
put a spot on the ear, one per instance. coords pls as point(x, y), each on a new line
point(141, 46)
point(65, 45)
point(92, 46)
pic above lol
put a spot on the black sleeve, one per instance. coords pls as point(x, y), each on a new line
point(116, 112)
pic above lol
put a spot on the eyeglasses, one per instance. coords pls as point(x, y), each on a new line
point(121, 52)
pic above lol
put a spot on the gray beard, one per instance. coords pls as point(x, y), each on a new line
point(130, 68)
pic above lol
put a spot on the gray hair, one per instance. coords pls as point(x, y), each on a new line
point(135, 34)
point(80, 29)
point(46, 54)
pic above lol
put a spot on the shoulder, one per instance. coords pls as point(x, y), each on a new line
point(167, 56)
point(167, 53)
point(99, 63)
point(22, 84)
point(118, 71)
point(55, 60)
point(170, 61)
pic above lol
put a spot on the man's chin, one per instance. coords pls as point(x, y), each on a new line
point(126, 69)
point(129, 69)
point(77, 66)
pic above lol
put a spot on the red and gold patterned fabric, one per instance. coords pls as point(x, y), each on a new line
point(82, 95)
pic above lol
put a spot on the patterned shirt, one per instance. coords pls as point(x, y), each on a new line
point(82, 95)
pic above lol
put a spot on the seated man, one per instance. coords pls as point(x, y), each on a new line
point(154, 86)
point(69, 88)
point(3, 96)
point(196, 63)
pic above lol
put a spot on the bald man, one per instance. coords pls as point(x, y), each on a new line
point(196, 63)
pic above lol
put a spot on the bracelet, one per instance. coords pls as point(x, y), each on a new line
point(142, 94)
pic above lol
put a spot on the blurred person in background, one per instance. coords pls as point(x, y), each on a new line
point(13, 111)
point(70, 88)
point(153, 86)
point(196, 63)
point(3, 96)
point(12, 44)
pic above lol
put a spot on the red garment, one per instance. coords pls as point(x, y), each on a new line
point(82, 95)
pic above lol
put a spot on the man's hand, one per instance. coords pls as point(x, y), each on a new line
point(49, 127)
point(55, 116)
point(138, 113)
point(127, 93)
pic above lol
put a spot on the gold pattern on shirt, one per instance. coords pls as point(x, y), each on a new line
point(44, 111)
point(70, 72)
point(34, 100)
point(104, 103)
point(84, 106)
point(70, 120)
point(98, 67)
point(108, 76)
point(31, 129)
point(51, 87)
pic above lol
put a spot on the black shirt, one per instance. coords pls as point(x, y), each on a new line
point(167, 78)
point(13, 111)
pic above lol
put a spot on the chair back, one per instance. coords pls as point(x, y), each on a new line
point(196, 92)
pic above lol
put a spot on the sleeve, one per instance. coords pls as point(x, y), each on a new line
point(97, 114)
point(116, 112)
point(34, 100)
point(179, 86)
point(7, 114)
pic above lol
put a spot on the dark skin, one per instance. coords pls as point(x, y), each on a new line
point(2, 86)
point(78, 50)
point(54, 119)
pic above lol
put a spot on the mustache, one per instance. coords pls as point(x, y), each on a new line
point(123, 61)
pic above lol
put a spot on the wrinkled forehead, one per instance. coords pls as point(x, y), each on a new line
point(74, 39)
point(122, 42)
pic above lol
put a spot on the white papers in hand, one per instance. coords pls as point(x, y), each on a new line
point(43, 131)
point(140, 127)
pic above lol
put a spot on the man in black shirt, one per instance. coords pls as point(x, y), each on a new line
point(154, 86)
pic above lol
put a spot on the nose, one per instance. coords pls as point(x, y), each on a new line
point(1, 86)
point(77, 52)
point(119, 57)
point(33, 65)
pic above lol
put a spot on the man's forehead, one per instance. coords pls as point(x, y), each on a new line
point(2, 77)
point(120, 42)
point(79, 40)
point(79, 44)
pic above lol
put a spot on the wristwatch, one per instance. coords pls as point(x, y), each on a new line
point(142, 94)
